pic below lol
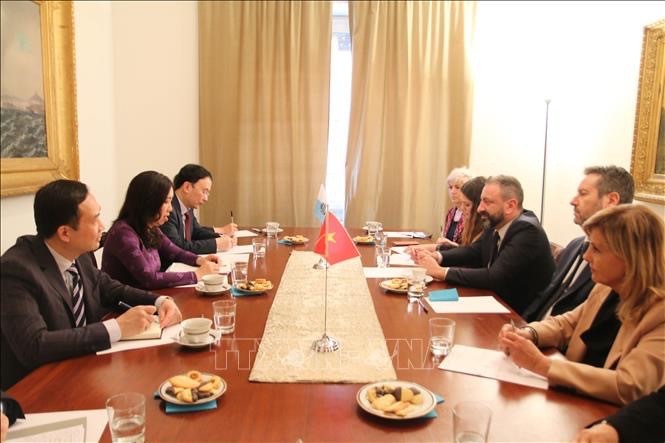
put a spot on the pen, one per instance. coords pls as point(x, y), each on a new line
point(231, 216)
point(512, 324)
point(124, 305)
point(422, 305)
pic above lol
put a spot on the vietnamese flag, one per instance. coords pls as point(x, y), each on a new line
point(334, 243)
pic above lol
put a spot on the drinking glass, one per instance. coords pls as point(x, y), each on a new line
point(382, 256)
point(126, 414)
point(259, 247)
point(224, 314)
point(471, 422)
point(271, 229)
point(441, 336)
point(416, 283)
point(239, 273)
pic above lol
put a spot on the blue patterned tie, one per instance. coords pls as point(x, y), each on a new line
point(77, 297)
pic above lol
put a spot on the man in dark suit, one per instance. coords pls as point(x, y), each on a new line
point(192, 186)
point(571, 283)
point(512, 257)
point(54, 298)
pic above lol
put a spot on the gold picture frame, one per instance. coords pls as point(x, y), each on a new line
point(26, 175)
point(648, 158)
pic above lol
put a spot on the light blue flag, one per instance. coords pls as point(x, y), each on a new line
point(321, 204)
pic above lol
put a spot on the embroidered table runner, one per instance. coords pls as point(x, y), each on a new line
point(296, 318)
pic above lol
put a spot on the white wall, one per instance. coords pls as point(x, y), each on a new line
point(585, 57)
point(137, 94)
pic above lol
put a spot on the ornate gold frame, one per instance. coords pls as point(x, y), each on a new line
point(26, 175)
point(649, 186)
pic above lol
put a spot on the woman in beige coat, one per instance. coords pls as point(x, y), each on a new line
point(615, 341)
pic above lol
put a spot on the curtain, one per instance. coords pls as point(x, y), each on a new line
point(411, 108)
point(264, 90)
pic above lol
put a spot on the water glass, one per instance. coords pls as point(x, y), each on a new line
point(239, 273)
point(126, 414)
point(441, 336)
point(382, 256)
point(416, 281)
point(259, 247)
point(271, 229)
point(373, 227)
point(224, 314)
point(471, 422)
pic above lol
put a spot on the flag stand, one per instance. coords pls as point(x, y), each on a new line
point(326, 343)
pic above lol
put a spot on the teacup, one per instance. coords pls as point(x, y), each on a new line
point(214, 282)
point(196, 330)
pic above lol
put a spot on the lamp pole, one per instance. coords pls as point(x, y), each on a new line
point(542, 188)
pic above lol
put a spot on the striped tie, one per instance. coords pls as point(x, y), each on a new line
point(77, 297)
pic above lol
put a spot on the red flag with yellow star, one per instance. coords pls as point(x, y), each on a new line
point(334, 243)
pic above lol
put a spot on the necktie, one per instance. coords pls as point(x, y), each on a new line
point(188, 225)
point(495, 250)
point(78, 308)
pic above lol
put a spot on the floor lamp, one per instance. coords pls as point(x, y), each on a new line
point(542, 188)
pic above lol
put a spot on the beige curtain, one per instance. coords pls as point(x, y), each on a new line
point(410, 109)
point(264, 82)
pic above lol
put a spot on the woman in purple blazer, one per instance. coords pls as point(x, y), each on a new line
point(135, 247)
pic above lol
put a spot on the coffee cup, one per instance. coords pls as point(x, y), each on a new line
point(214, 282)
point(196, 330)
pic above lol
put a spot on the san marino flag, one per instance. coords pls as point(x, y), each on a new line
point(321, 204)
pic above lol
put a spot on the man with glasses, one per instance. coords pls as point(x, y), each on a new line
point(192, 187)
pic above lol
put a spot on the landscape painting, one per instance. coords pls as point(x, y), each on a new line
point(22, 112)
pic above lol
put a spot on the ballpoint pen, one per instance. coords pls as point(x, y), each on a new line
point(422, 305)
point(231, 217)
point(124, 305)
point(512, 324)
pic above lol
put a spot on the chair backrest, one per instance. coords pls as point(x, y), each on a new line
point(556, 251)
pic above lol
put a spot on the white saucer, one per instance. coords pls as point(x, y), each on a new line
point(201, 289)
point(186, 343)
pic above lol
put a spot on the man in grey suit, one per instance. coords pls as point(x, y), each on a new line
point(54, 299)
point(192, 186)
point(602, 186)
point(512, 257)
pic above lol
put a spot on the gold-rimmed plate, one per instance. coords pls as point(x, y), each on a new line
point(204, 377)
point(415, 410)
point(400, 285)
point(252, 289)
point(363, 240)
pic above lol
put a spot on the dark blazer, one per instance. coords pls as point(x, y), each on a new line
point(202, 239)
point(523, 267)
point(642, 420)
point(36, 322)
point(572, 296)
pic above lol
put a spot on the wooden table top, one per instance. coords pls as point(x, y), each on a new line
point(309, 412)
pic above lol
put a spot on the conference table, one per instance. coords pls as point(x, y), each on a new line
point(305, 412)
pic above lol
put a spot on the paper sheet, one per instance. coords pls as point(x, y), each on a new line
point(386, 272)
point(239, 249)
point(405, 234)
point(244, 233)
point(168, 334)
point(491, 364)
point(399, 250)
point(66, 426)
point(485, 304)
point(227, 259)
point(401, 260)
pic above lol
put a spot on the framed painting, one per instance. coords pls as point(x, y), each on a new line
point(38, 102)
point(648, 159)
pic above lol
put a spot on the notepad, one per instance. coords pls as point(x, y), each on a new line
point(154, 331)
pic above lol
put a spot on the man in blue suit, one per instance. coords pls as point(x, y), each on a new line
point(571, 283)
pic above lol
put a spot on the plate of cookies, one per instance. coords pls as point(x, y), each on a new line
point(396, 400)
point(294, 239)
point(258, 286)
point(364, 239)
point(192, 388)
point(400, 284)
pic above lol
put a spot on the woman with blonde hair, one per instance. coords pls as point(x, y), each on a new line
point(614, 342)
point(453, 221)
